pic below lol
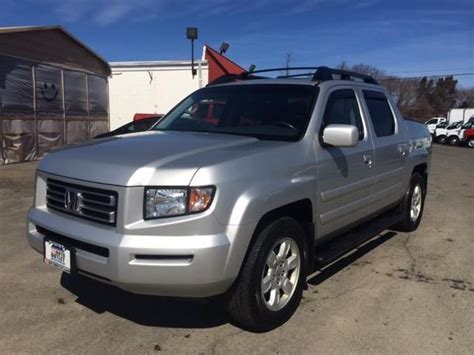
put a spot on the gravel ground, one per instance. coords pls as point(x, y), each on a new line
point(399, 293)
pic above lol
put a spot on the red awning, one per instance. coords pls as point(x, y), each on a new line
point(220, 65)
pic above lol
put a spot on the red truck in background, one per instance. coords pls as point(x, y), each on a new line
point(207, 111)
point(141, 116)
point(469, 137)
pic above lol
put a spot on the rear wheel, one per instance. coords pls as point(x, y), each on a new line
point(412, 205)
point(270, 285)
point(453, 140)
point(470, 143)
point(441, 139)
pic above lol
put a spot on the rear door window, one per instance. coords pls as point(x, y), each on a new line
point(380, 113)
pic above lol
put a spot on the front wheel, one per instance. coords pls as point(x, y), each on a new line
point(412, 205)
point(470, 143)
point(270, 285)
point(441, 139)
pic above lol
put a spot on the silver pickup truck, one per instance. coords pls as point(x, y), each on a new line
point(237, 191)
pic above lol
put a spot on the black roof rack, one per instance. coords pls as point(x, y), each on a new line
point(228, 78)
point(317, 74)
point(325, 73)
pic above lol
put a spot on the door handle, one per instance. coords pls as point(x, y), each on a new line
point(368, 160)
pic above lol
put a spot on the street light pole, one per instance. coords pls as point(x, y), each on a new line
point(192, 34)
point(192, 58)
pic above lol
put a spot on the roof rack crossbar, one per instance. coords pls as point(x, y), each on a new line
point(320, 74)
point(279, 69)
point(325, 74)
point(295, 75)
point(228, 78)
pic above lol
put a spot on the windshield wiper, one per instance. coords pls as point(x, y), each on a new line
point(283, 124)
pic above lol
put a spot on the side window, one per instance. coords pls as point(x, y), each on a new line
point(128, 128)
point(380, 113)
point(139, 126)
point(342, 108)
point(148, 122)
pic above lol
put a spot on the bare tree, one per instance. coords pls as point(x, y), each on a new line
point(404, 92)
point(419, 98)
point(343, 66)
point(363, 69)
point(465, 98)
point(366, 69)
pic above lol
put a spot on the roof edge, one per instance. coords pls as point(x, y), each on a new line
point(15, 29)
point(155, 63)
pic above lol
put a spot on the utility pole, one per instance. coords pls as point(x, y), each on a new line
point(288, 61)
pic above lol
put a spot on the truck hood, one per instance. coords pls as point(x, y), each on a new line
point(149, 158)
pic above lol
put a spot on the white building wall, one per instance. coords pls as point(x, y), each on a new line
point(150, 87)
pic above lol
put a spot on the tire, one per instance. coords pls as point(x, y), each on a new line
point(470, 143)
point(453, 140)
point(247, 303)
point(441, 139)
point(415, 196)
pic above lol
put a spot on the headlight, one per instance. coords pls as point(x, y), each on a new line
point(168, 202)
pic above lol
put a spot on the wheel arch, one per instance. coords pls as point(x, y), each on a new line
point(302, 212)
point(422, 169)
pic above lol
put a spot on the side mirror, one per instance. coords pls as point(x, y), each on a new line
point(341, 135)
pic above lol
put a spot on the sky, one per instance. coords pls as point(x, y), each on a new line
point(406, 38)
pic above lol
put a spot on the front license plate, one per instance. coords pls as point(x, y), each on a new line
point(57, 255)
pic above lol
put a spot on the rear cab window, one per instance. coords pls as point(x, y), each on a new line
point(381, 115)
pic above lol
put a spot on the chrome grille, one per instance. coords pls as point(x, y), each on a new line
point(82, 201)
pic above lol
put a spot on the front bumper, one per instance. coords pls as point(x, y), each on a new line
point(168, 265)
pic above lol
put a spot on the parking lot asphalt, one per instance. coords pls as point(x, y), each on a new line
point(399, 293)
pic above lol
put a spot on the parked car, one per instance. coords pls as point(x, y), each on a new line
point(140, 125)
point(455, 137)
point(246, 207)
point(468, 137)
point(432, 123)
point(444, 130)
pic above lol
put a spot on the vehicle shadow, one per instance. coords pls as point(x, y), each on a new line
point(326, 272)
point(173, 312)
point(146, 310)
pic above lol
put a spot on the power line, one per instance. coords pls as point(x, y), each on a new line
point(429, 71)
point(426, 76)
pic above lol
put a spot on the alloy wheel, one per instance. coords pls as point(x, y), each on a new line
point(416, 202)
point(280, 274)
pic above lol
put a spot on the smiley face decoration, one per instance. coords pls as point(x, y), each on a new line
point(49, 91)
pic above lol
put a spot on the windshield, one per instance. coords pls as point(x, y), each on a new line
point(455, 125)
point(468, 125)
point(267, 112)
